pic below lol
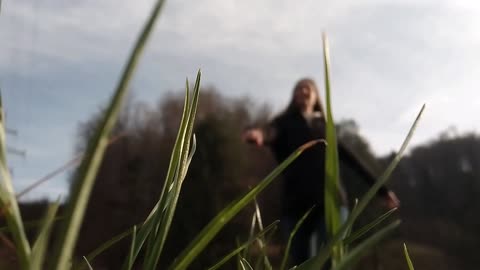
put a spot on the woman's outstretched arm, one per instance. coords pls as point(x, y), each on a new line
point(260, 136)
point(347, 156)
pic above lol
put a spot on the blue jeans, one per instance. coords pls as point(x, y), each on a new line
point(310, 237)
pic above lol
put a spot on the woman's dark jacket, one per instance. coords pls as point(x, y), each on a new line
point(304, 178)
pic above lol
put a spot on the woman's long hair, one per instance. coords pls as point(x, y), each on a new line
point(293, 107)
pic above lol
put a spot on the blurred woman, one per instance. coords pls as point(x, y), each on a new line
point(304, 120)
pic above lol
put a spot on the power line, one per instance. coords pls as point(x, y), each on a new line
point(13, 150)
point(17, 152)
point(12, 132)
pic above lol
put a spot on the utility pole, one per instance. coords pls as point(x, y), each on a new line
point(12, 150)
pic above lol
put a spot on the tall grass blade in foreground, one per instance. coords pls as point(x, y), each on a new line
point(40, 246)
point(158, 242)
point(292, 235)
point(92, 255)
point(246, 252)
point(96, 148)
point(365, 229)
point(262, 242)
point(332, 175)
point(348, 233)
point(8, 202)
point(155, 228)
point(67, 165)
point(130, 255)
point(245, 264)
point(319, 260)
point(407, 257)
point(243, 246)
point(87, 263)
point(217, 223)
point(149, 229)
point(354, 255)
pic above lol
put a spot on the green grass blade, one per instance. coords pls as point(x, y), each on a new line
point(268, 239)
point(93, 157)
point(245, 264)
point(191, 121)
point(117, 238)
point(318, 261)
point(165, 223)
point(87, 263)
point(362, 231)
point(262, 243)
point(243, 246)
point(152, 222)
point(246, 252)
point(407, 257)
point(177, 149)
point(40, 246)
point(130, 260)
point(332, 201)
point(175, 159)
point(348, 233)
point(151, 225)
point(217, 223)
point(142, 235)
point(192, 151)
point(8, 202)
point(239, 255)
point(292, 235)
point(385, 175)
point(355, 254)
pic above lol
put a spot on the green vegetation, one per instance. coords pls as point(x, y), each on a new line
point(147, 239)
point(407, 257)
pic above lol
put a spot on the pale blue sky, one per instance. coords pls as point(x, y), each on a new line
point(59, 61)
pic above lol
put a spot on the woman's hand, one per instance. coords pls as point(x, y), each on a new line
point(391, 200)
point(253, 135)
